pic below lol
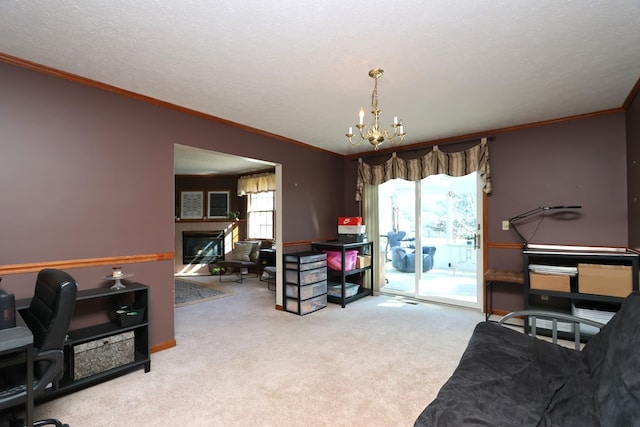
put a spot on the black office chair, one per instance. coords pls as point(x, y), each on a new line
point(48, 318)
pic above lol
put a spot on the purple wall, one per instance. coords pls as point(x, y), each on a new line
point(633, 171)
point(85, 173)
point(580, 162)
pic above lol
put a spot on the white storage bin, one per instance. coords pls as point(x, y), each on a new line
point(350, 289)
point(600, 316)
point(306, 277)
point(308, 291)
point(548, 324)
point(306, 306)
point(306, 266)
point(305, 257)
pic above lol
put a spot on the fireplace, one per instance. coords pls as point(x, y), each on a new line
point(202, 247)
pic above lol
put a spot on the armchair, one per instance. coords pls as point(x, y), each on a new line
point(403, 258)
point(245, 255)
point(48, 318)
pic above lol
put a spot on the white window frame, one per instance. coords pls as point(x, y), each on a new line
point(258, 216)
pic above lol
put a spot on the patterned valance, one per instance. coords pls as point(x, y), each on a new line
point(256, 183)
point(461, 163)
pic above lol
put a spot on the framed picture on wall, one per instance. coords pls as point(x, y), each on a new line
point(191, 204)
point(218, 206)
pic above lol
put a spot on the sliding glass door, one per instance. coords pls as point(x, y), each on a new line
point(432, 238)
point(397, 225)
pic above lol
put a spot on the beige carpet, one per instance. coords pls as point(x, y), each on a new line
point(240, 362)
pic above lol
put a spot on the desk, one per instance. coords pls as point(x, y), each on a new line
point(267, 258)
point(16, 341)
point(502, 276)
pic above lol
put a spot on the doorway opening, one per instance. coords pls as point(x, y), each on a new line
point(193, 162)
point(431, 234)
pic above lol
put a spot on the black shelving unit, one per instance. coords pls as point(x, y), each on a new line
point(363, 248)
point(567, 256)
point(99, 305)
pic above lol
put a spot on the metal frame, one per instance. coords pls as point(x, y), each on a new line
point(554, 317)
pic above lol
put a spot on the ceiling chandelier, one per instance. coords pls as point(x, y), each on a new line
point(374, 134)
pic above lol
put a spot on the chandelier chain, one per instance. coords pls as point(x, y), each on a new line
point(374, 95)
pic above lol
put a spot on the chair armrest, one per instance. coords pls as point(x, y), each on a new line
point(53, 371)
point(554, 317)
point(15, 395)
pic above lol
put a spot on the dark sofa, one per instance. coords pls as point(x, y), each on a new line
point(506, 378)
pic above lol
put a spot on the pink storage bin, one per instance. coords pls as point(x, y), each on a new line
point(334, 260)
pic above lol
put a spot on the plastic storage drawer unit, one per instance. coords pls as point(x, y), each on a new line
point(305, 287)
point(307, 306)
point(306, 292)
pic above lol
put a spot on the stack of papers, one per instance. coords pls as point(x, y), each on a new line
point(554, 269)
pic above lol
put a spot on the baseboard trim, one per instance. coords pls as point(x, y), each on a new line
point(163, 346)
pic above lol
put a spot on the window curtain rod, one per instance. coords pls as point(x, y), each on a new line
point(415, 150)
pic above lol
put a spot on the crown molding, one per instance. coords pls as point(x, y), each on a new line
point(43, 69)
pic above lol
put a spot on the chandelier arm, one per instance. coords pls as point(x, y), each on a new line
point(364, 134)
point(355, 144)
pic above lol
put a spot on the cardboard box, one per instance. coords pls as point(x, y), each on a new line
point(350, 220)
point(352, 229)
point(352, 238)
point(363, 261)
point(611, 280)
point(549, 282)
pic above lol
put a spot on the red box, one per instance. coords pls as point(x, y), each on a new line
point(350, 220)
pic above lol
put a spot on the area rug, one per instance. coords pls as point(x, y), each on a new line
point(192, 292)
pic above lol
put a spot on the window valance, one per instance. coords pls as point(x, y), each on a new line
point(256, 183)
point(474, 159)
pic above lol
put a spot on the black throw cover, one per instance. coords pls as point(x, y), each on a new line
point(506, 378)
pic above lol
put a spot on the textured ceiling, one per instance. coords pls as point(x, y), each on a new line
point(195, 161)
point(299, 69)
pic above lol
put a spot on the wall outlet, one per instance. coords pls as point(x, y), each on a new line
point(505, 225)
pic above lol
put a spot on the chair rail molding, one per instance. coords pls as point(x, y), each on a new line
point(83, 263)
